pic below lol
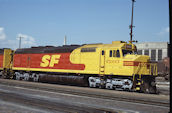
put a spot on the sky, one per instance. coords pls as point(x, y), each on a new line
point(47, 22)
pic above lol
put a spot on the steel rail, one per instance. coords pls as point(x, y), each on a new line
point(49, 105)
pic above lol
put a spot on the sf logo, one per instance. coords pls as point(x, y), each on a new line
point(49, 60)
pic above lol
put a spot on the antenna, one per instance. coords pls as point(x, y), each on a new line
point(131, 26)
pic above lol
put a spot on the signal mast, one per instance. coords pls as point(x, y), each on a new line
point(131, 26)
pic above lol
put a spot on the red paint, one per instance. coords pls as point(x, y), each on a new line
point(34, 60)
point(135, 63)
point(130, 63)
point(1, 61)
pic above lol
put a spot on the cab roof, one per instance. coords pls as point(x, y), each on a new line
point(115, 44)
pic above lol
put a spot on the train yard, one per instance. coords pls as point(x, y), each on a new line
point(17, 96)
point(119, 77)
point(130, 78)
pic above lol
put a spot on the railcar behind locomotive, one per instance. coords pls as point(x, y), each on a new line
point(5, 62)
point(1, 59)
point(112, 66)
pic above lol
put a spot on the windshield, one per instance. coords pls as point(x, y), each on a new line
point(124, 52)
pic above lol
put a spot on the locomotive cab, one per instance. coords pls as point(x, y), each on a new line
point(122, 61)
point(119, 59)
point(125, 61)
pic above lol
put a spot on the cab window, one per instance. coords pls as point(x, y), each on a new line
point(124, 52)
point(117, 53)
point(103, 52)
point(114, 53)
point(110, 53)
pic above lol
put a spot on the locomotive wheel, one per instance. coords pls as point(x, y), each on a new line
point(152, 89)
point(146, 87)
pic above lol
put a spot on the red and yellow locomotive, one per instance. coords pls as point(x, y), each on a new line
point(112, 66)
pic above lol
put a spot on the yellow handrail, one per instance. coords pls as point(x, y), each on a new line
point(138, 69)
point(152, 68)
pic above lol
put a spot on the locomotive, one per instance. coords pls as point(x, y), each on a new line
point(112, 66)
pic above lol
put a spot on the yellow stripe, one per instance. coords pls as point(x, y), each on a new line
point(138, 83)
point(137, 88)
point(53, 70)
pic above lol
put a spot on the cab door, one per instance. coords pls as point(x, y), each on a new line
point(113, 62)
point(102, 62)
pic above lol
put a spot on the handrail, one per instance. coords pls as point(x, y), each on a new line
point(137, 70)
point(155, 69)
point(152, 68)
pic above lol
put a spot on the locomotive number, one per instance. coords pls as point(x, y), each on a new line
point(49, 60)
point(112, 61)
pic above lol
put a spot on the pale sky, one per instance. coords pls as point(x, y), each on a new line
point(46, 22)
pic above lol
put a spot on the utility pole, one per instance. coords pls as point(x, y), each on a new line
point(170, 36)
point(131, 26)
point(20, 41)
point(65, 40)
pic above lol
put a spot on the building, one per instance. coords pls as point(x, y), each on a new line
point(156, 50)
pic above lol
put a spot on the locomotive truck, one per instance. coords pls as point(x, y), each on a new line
point(112, 66)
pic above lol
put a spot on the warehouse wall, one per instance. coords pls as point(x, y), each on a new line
point(156, 50)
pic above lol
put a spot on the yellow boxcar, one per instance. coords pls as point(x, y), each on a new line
point(6, 56)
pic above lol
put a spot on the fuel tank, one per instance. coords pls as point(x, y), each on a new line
point(64, 79)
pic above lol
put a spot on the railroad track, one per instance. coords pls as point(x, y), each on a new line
point(149, 99)
point(49, 105)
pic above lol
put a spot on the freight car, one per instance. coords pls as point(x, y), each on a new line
point(5, 62)
point(112, 66)
point(1, 61)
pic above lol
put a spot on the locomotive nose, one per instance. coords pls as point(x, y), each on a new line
point(137, 58)
point(142, 58)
